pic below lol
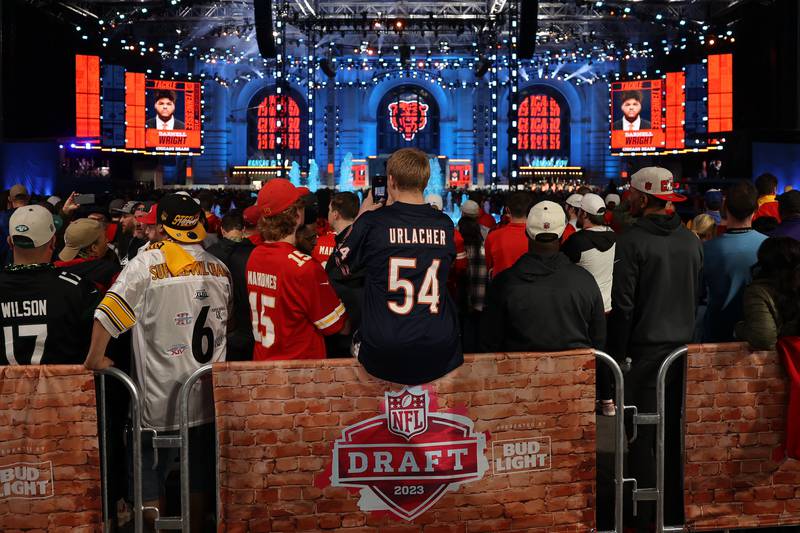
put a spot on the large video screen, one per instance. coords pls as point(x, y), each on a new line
point(173, 115)
point(636, 116)
point(688, 110)
point(140, 114)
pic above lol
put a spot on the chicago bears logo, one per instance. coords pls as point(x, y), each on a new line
point(408, 117)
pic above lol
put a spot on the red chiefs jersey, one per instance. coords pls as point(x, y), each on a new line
point(292, 303)
point(324, 248)
point(504, 246)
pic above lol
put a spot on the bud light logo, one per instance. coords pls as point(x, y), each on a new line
point(408, 117)
point(406, 459)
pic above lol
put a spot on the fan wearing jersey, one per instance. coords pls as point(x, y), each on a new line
point(409, 329)
point(45, 312)
point(292, 304)
point(176, 297)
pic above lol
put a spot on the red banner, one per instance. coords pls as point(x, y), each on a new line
point(49, 456)
point(504, 443)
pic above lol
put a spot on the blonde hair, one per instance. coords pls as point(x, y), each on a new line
point(704, 227)
point(410, 169)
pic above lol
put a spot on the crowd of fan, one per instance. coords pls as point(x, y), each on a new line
point(325, 274)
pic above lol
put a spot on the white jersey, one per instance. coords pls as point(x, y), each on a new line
point(179, 324)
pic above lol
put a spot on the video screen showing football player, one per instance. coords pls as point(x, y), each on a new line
point(631, 108)
point(165, 113)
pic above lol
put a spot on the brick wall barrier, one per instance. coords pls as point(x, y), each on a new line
point(735, 421)
point(279, 423)
point(49, 458)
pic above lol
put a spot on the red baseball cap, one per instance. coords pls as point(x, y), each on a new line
point(277, 196)
point(656, 181)
point(147, 217)
point(251, 215)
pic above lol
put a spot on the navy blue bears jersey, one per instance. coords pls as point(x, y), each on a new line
point(409, 328)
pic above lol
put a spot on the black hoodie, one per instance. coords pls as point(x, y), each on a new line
point(543, 303)
point(656, 287)
point(235, 255)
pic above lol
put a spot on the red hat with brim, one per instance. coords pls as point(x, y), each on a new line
point(147, 218)
point(277, 196)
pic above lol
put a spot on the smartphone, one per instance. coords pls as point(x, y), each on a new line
point(379, 194)
point(84, 199)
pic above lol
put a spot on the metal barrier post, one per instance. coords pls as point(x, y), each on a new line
point(661, 387)
point(619, 438)
point(183, 399)
point(136, 415)
point(103, 449)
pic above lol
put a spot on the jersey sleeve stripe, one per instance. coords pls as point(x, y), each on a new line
point(461, 255)
point(123, 304)
point(112, 306)
point(331, 319)
point(103, 310)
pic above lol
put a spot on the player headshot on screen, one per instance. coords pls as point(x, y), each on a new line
point(631, 111)
point(165, 111)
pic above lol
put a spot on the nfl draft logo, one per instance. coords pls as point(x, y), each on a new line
point(408, 117)
point(406, 459)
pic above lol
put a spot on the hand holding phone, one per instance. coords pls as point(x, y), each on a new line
point(379, 192)
point(84, 199)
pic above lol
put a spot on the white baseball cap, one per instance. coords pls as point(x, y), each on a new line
point(612, 198)
point(31, 226)
point(470, 208)
point(574, 200)
point(593, 204)
point(546, 218)
point(656, 181)
point(435, 200)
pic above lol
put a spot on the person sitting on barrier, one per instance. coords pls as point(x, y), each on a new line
point(654, 295)
point(176, 298)
point(292, 303)
point(409, 331)
point(234, 250)
point(727, 261)
point(771, 303)
point(342, 212)
point(45, 312)
point(544, 302)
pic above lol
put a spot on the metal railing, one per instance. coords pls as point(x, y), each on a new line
point(136, 423)
point(619, 438)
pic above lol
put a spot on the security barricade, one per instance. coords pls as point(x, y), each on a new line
point(49, 451)
point(506, 442)
point(736, 475)
point(135, 410)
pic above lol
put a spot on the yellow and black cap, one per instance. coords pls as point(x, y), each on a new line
point(181, 218)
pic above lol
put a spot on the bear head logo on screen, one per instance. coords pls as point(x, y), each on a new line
point(631, 107)
point(165, 113)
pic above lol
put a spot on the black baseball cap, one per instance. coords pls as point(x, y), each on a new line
point(789, 201)
point(181, 218)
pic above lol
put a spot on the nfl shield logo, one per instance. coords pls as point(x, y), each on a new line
point(407, 413)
